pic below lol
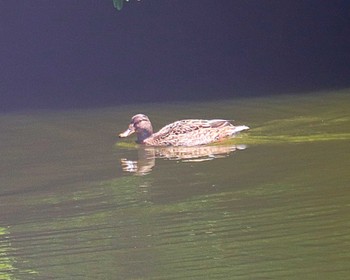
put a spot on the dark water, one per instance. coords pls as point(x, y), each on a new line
point(271, 204)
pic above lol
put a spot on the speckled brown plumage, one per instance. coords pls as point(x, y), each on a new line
point(191, 132)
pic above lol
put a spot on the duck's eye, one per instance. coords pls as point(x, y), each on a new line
point(137, 122)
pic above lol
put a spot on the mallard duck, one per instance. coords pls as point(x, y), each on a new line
point(191, 132)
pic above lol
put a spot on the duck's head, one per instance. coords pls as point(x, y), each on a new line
point(140, 124)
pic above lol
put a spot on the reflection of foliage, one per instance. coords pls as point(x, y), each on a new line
point(123, 227)
point(78, 227)
point(7, 261)
point(297, 130)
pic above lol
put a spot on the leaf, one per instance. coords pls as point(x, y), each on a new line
point(118, 4)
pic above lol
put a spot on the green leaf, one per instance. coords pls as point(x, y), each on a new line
point(118, 4)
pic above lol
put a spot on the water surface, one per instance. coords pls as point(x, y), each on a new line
point(76, 203)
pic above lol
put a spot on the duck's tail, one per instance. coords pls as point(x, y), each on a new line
point(239, 128)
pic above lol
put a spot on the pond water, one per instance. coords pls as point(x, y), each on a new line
point(273, 203)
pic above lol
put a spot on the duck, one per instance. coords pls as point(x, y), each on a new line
point(188, 132)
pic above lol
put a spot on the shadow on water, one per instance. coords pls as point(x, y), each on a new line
point(277, 210)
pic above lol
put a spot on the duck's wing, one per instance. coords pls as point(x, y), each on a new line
point(186, 126)
point(218, 123)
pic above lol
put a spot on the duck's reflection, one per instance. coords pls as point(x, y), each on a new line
point(147, 156)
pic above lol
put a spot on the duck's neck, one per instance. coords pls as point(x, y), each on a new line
point(144, 134)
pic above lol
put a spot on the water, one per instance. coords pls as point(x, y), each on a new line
point(271, 204)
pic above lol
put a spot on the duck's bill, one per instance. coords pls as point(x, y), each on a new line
point(126, 133)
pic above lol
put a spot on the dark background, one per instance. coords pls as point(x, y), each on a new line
point(70, 53)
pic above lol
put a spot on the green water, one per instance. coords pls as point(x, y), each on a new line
point(273, 203)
